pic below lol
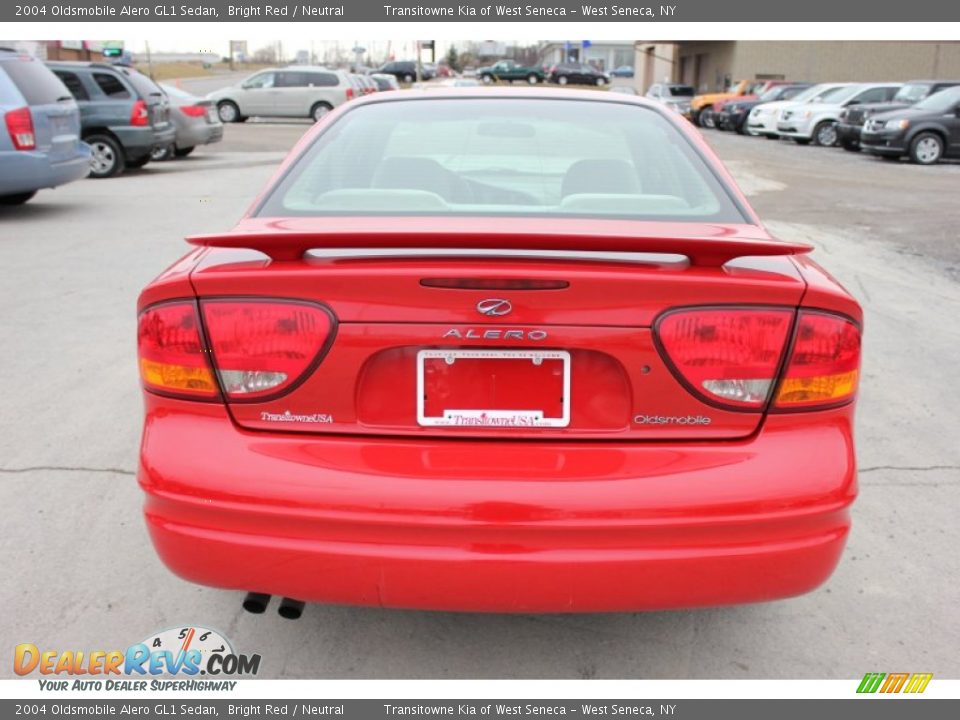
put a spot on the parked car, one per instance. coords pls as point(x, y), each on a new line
point(732, 114)
point(624, 71)
point(196, 122)
point(405, 71)
point(365, 84)
point(817, 122)
point(624, 89)
point(124, 115)
point(502, 433)
point(926, 132)
point(41, 146)
point(853, 118)
point(676, 96)
point(701, 106)
point(385, 82)
point(301, 91)
point(573, 73)
point(762, 119)
point(508, 71)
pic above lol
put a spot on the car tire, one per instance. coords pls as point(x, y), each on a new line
point(17, 199)
point(926, 149)
point(320, 111)
point(708, 119)
point(408, 78)
point(106, 156)
point(850, 146)
point(563, 80)
point(532, 79)
point(183, 152)
point(165, 152)
point(138, 163)
point(228, 112)
point(825, 133)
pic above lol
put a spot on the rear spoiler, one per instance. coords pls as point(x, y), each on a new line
point(701, 251)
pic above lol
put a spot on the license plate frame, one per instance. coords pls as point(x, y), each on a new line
point(479, 418)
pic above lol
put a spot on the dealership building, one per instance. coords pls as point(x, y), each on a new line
point(714, 65)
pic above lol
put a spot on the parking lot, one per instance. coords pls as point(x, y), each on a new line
point(82, 574)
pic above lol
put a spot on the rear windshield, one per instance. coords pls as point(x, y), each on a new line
point(144, 85)
point(473, 156)
point(35, 81)
point(681, 90)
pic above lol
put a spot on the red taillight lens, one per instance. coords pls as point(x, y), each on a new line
point(728, 356)
point(263, 347)
point(20, 127)
point(140, 115)
point(193, 110)
point(173, 359)
point(349, 93)
point(824, 366)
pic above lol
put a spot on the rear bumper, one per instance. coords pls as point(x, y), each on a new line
point(197, 134)
point(138, 142)
point(498, 526)
point(29, 171)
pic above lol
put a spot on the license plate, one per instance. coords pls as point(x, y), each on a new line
point(493, 388)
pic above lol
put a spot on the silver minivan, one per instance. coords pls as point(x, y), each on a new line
point(300, 91)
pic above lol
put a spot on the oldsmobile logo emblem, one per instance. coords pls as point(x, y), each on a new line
point(494, 307)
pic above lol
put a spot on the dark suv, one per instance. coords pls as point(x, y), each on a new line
point(926, 132)
point(852, 119)
point(574, 73)
point(124, 115)
point(406, 70)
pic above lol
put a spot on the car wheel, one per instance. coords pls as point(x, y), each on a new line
point(825, 133)
point(18, 199)
point(850, 146)
point(408, 78)
point(926, 149)
point(106, 156)
point(562, 80)
point(320, 110)
point(139, 162)
point(165, 152)
point(228, 112)
point(708, 119)
point(532, 79)
point(183, 152)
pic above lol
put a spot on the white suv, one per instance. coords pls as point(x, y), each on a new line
point(817, 121)
point(763, 118)
point(301, 91)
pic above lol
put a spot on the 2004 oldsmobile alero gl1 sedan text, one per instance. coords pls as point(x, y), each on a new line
point(499, 351)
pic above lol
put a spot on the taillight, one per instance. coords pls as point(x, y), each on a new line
point(727, 356)
point(20, 127)
point(349, 93)
point(173, 358)
point(140, 115)
point(824, 365)
point(263, 347)
point(193, 110)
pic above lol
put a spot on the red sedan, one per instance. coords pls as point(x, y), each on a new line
point(499, 351)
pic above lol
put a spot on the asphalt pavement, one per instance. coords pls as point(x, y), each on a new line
point(81, 574)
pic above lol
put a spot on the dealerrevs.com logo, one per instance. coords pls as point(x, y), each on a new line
point(153, 664)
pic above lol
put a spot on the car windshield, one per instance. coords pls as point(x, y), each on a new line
point(681, 90)
point(840, 95)
point(144, 85)
point(941, 101)
point(772, 94)
point(531, 157)
point(911, 93)
point(176, 92)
